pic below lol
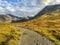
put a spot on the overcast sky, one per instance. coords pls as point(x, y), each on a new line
point(24, 7)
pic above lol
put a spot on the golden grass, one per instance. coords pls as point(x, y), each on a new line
point(9, 35)
point(48, 25)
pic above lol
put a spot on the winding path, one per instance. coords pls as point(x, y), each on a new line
point(32, 38)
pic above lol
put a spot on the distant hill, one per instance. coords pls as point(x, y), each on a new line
point(23, 19)
point(8, 18)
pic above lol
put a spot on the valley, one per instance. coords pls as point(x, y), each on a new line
point(47, 24)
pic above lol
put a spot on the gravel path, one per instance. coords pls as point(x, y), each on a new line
point(32, 38)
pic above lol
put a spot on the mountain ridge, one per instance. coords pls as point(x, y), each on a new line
point(14, 19)
point(8, 18)
point(49, 8)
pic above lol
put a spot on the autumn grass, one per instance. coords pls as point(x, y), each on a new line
point(9, 35)
point(48, 25)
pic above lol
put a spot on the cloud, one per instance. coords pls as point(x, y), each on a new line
point(51, 2)
point(25, 7)
point(29, 7)
point(46, 2)
point(6, 6)
point(1, 9)
point(10, 9)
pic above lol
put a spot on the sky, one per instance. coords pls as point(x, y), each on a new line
point(22, 8)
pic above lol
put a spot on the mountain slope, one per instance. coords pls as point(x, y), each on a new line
point(12, 35)
point(48, 9)
point(47, 24)
point(7, 18)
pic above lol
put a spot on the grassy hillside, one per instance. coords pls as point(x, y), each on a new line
point(9, 35)
point(47, 25)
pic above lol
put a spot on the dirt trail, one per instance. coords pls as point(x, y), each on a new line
point(32, 38)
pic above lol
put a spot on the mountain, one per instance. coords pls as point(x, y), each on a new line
point(8, 18)
point(46, 22)
point(23, 19)
point(48, 9)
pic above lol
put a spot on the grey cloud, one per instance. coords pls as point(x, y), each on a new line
point(19, 11)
